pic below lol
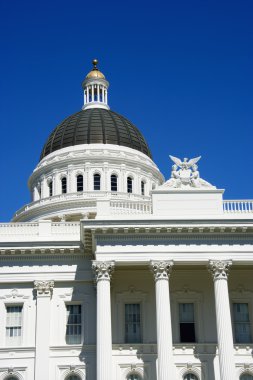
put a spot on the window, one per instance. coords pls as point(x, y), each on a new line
point(132, 323)
point(79, 182)
point(133, 377)
point(73, 377)
point(11, 378)
point(13, 325)
point(246, 377)
point(242, 332)
point(114, 182)
point(190, 376)
point(50, 187)
point(97, 181)
point(129, 184)
point(74, 324)
point(64, 185)
point(186, 322)
point(142, 188)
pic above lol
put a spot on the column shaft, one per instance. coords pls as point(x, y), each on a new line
point(104, 333)
point(219, 270)
point(166, 368)
point(103, 272)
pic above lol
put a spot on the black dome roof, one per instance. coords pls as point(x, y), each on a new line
point(95, 126)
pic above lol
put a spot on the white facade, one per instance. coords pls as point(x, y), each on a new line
point(152, 284)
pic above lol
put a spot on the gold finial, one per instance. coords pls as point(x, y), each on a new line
point(95, 62)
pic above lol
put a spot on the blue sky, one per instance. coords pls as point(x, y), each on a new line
point(181, 71)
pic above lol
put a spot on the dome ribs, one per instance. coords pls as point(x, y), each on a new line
point(95, 126)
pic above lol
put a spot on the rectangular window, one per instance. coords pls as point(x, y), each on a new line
point(187, 323)
point(13, 325)
point(242, 333)
point(133, 323)
point(74, 324)
point(142, 188)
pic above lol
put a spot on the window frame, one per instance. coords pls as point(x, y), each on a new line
point(64, 186)
point(132, 183)
point(118, 314)
point(117, 181)
point(245, 374)
point(7, 339)
point(141, 332)
point(241, 295)
point(96, 174)
point(194, 321)
point(243, 299)
point(190, 373)
point(50, 187)
point(79, 175)
point(144, 185)
point(187, 296)
point(82, 323)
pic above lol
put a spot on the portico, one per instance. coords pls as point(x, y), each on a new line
point(183, 253)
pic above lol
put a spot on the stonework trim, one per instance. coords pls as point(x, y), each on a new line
point(103, 270)
point(219, 269)
point(44, 288)
point(161, 269)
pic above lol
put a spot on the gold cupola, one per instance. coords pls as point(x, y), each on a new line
point(95, 88)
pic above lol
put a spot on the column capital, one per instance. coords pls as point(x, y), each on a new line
point(219, 269)
point(44, 288)
point(103, 270)
point(161, 269)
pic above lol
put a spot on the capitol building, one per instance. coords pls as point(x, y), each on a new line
point(113, 272)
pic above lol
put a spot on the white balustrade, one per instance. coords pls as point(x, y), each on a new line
point(89, 200)
point(238, 206)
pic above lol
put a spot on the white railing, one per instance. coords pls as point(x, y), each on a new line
point(238, 206)
point(19, 230)
point(14, 229)
point(66, 228)
point(130, 207)
point(89, 197)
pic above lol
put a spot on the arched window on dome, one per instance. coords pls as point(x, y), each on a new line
point(143, 187)
point(79, 182)
point(190, 376)
point(129, 184)
point(97, 181)
point(246, 376)
point(133, 376)
point(64, 185)
point(50, 188)
point(11, 378)
point(114, 182)
point(73, 377)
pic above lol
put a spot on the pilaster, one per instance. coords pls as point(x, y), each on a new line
point(44, 290)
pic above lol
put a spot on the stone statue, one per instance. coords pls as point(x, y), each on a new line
point(185, 174)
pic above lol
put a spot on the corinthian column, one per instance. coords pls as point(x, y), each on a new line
point(161, 271)
point(44, 291)
point(103, 271)
point(219, 271)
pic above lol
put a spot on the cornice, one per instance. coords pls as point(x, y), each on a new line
point(80, 154)
point(92, 235)
point(25, 253)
